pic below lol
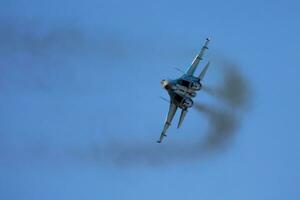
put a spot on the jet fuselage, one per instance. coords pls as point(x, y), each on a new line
point(182, 90)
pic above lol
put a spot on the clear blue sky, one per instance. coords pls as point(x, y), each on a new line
point(80, 79)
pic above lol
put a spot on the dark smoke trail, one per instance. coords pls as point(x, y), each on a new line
point(62, 42)
point(222, 126)
point(234, 88)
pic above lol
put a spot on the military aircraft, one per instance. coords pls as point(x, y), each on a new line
point(183, 89)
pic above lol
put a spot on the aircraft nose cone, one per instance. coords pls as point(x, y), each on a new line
point(166, 84)
point(163, 83)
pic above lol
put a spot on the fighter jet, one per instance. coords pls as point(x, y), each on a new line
point(183, 90)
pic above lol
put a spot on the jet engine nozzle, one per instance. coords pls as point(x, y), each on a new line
point(196, 85)
point(187, 103)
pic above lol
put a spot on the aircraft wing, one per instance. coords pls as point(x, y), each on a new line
point(170, 116)
point(198, 58)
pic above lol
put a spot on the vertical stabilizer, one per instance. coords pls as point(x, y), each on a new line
point(203, 72)
point(182, 115)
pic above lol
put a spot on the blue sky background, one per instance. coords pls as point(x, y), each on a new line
point(80, 109)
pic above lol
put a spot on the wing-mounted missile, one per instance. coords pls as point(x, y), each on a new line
point(203, 72)
point(182, 115)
